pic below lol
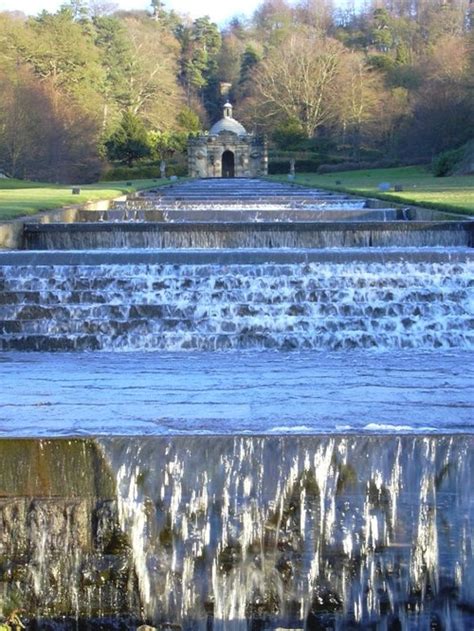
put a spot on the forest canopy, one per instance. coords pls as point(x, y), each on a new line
point(88, 86)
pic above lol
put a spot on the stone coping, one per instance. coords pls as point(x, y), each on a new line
point(11, 230)
point(262, 226)
point(233, 257)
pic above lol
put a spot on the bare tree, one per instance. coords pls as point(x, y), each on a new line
point(152, 87)
point(16, 117)
point(357, 98)
point(318, 14)
point(298, 78)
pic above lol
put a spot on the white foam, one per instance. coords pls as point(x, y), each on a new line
point(387, 427)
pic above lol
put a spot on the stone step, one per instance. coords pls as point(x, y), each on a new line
point(365, 234)
point(324, 305)
point(236, 216)
point(17, 263)
point(264, 197)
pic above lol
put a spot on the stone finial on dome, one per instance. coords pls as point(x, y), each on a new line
point(228, 123)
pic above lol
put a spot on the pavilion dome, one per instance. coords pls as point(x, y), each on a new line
point(227, 124)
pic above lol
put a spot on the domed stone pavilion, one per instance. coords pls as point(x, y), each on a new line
point(227, 150)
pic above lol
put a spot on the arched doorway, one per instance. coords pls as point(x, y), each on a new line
point(228, 164)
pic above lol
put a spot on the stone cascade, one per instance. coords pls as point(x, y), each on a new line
point(268, 235)
point(63, 555)
point(247, 214)
point(303, 532)
point(320, 305)
point(241, 191)
point(242, 532)
point(228, 213)
point(192, 527)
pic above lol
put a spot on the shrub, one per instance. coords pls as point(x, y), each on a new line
point(140, 172)
point(278, 167)
point(356, 166)
point(145, 171)
point(466, 165)
point(446, 162)
point(302, 165)
point(129, 142)
point(288, 135)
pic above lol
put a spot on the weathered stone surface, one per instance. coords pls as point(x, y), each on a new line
point(62, 550)
point(209, 154)
point(53, 468)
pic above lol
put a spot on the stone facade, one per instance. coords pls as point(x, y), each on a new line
point(227, 150)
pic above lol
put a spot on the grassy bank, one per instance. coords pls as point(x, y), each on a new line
point(19, 198)
point(419, 186)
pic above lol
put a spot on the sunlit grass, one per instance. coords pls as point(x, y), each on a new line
point(20, 198)
point(454, 193)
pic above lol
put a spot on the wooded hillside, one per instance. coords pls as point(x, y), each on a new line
point(87, 86)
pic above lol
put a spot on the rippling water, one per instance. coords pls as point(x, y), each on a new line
point(235, 392)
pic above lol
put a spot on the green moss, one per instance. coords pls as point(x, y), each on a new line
point(442, 474)
point(230, 557)
point(309, 483)
point(141, 479)
point(379, 497)
point(166, 534)
point(117, 544)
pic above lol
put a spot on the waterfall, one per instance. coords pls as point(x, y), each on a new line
point(347, 530)
point(217, 491)
point(397, 304)
point(241, 531)
point(270, 234)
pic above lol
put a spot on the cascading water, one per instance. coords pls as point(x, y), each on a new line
point(287, 531)
point(214, 307)
point(268, 235)
point(218, 514)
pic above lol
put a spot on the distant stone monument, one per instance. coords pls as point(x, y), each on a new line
point(227, 150)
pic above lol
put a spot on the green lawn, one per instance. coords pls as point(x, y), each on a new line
point(454, 193)
point(19, 198)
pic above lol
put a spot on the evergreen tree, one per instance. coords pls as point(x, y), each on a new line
point(129, 142)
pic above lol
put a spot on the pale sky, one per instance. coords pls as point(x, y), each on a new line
point(218, 10)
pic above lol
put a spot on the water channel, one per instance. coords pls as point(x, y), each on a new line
point(256, 421)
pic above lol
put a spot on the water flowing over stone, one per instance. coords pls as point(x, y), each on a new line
point(249, 214)
point(241, 506)
point(299, 531)
point(213, 307)
point(241, 532)
point(62, 554)
point(248, 235)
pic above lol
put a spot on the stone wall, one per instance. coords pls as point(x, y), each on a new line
point(62, 552)
point(205, 155)
point(11, 232)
